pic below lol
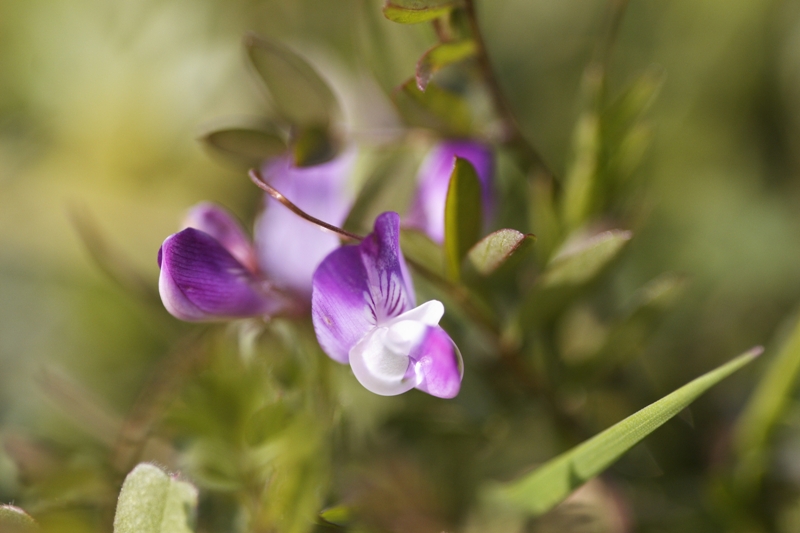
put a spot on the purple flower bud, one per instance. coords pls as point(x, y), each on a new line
point(202, 281)
point(290, 248)
point(427, 208)
point(218, 223)
point(364, 313)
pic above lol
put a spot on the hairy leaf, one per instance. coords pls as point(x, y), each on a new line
point(15, 520)
point(495, 249)
point(153, 502)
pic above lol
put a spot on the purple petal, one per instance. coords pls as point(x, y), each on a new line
point(220, 224)
point(437, 363)
point(201, 281)
point(290, 248)
point(359, 287)
point(427, 208)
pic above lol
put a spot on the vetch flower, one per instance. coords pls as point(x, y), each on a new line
point(427, 208)
point(290, 248)
point(209, 271)
point(365, 314)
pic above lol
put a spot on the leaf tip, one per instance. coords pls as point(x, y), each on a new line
point(754, 352)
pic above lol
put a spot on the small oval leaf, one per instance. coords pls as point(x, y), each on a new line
point(436, 109)
point(15, 520)
point(246, 146)
point(548, 485)
point(416, 11)
point(463, 217)
point(581, 259)
point(496, 248)
point(153, 502)
point(299, 93)
point(440, 56)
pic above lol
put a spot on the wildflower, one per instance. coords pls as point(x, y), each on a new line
point(209, 271)
point(365, 314)
point(427, 208)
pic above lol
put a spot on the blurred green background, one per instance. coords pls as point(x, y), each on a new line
point(101, 103)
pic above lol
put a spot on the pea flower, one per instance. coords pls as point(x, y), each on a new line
point(365, 314)
point(209, 271)
point(427, 207)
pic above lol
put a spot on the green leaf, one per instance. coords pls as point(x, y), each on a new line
point(548, 485)
point(441, 55)
point(300, 94)
point(765, 408)
point(245, 145)
point(15, 520)
point(495, 249)
point(463, 216)
point(415, 11)
point(436, 109)
point(153, 502)
point(581, 259)
point(339, 516)
point(313, 145)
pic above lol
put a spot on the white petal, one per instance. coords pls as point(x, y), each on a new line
point(378, 367)
point(429, 313)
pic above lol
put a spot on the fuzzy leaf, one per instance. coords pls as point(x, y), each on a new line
point(440, 56)
point(153, 502)
point(415, 11)
point(15, 520)
point(548, 485)
point(496, 248)
point(247, 146)
point(463, 216)
point(300, 94)
point(579, 261)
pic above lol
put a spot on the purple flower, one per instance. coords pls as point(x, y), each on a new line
point(290, 248)
point(427, 208)
point(209, 272)
point(365, 313)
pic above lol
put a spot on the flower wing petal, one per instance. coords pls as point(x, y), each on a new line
point(437, 364)
point(201, 281)
point(220, 224)
point(340, 306)
point(427, 208)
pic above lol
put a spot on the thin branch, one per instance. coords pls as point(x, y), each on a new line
point(511, 127)
point(256, 178)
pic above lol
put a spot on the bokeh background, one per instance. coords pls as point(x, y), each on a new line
point(101, 104)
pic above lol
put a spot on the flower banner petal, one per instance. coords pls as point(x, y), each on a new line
point(201, 281)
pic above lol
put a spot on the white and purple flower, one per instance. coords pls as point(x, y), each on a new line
point(427, 208)
point(365, 314)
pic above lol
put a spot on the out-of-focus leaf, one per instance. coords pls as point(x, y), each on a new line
point(463, 216)
point(765, 408)
point(300, 94)
point(153, 502)
point(628, 106)
point(581, 175)
point(435, 108)
point(266, 423)
point(414, 11)
point(418, 247)
point(338, 516)
point(15, 520)
point(441, 55)
point(313, 145)
point(543, 217)
point(548, 485)
point(496, 248)
point(580, 260)
point(245, 145)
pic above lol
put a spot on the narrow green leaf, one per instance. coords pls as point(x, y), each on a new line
point(441, 55)
point(580, 260)
point(548, 485)
point(415, 11)
point(15, 520)
point(496, 248)
point(435, 108)
point(245, 145)
point(463, 216)
point(338, 516)
point(153, 502)
point(300, 94)
point(765, 408)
